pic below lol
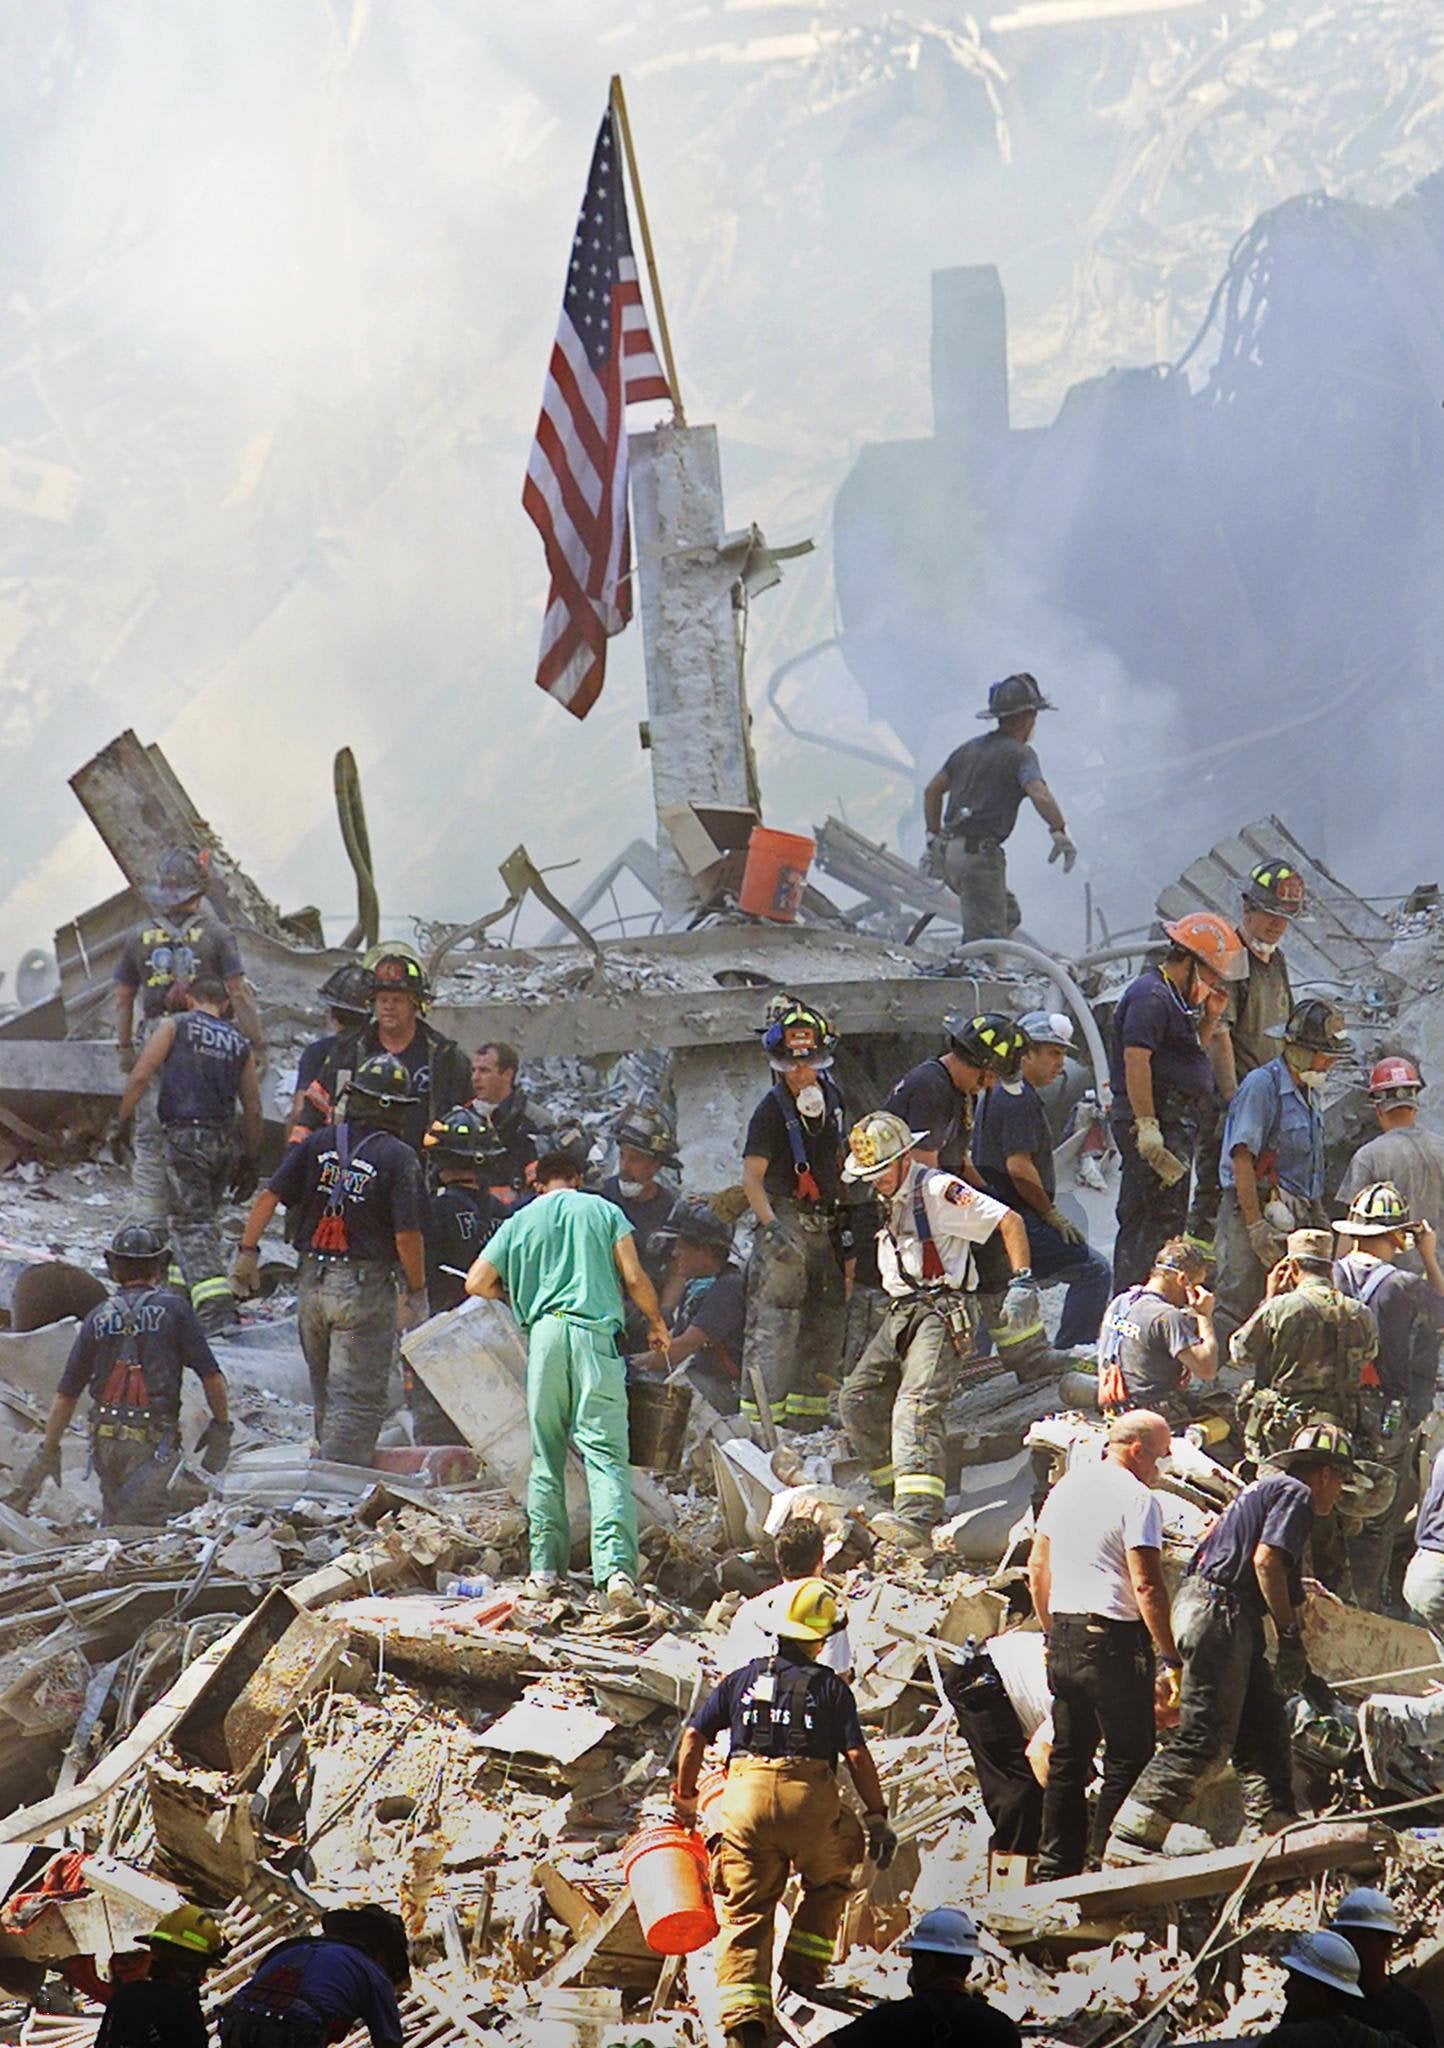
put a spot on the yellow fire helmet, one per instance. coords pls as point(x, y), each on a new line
point(192, 1929)
point(807, 1612)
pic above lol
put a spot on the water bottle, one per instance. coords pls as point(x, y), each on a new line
point(454, 1587)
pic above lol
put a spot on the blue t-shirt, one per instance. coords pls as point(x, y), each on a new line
point(1152, 1014)
point(1278, 1511)
point(927, 1101)
point(834, 1710)
point(201, 1077)
point(325, 1982)
point(1010, 1118)
point(1271, 1113)
point(311, 1060)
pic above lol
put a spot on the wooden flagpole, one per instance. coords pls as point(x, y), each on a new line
point(619, 111)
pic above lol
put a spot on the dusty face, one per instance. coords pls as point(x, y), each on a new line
point(490, 1082)
point(1263, 927)
point(395, 1012)
point(633, 1165)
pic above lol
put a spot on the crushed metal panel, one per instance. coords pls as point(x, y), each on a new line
point(1338, 940)
point(547, 1728)
point(202, 1831)
point(284, 1655)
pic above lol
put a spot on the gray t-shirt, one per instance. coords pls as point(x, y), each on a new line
point(986, 780)
point(1143, 1339)
point(1413, 1160)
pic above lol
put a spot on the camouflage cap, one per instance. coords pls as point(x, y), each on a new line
point(1312, 1247)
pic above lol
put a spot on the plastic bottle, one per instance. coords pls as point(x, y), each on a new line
point(455, 1587)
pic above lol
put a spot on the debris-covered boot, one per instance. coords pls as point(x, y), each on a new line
point(890, 1527)
point(1139, 1833)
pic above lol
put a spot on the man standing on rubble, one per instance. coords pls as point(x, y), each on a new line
point(206, 1067)
point(1161, 1080)
point(562, 1262)
point(1013, 1151)
point(1158, 1337)
point(347, 993)
point(182, 938)
point(438, 1075)
point(1408, 1309)
point(1096, 1578)
point(357, 1188)
point(645, 1146)
point(1272, 1167)
point(893, 1401)
point(1249, 1565)
point(802, 1253)
point(938, 1099)
point(1273, 896)
point(497, 1096)
point(789, 1720)
point(1404, 1153)
point(983, 783)
point(131, 1354)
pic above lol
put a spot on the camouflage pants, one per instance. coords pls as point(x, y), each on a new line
point(796, 1318)
point(892, 1406)
point(347, 1316)
point(199, 1162)
point(978, 870)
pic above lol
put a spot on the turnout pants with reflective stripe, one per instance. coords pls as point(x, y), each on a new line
point(779, 1814)
point(346, 1310)
point(199, 1162)
point(576, 1390)
point(796, 1318)
point(892, 1406)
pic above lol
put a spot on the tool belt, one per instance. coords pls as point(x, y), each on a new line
point(113, 1425)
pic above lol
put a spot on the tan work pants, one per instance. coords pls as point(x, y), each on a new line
point(779, 1815)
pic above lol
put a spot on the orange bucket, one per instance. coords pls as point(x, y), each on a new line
point(710, 1788)
point(776, 874)
point(666, 1873)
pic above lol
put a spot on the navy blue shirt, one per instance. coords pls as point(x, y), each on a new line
point(202, 1071)
point(1278, 1511)
point(927, 1101)
point(1408, 1313)
point(313, 1058)
point(329, 1983)
point(834, 1710)
point(1010, 1118)
point(1272, 1114)
point(459, 1220)
point(718, 1308)
point(154, 1325)
point(1153, 1015)
point(380, 1190)
point(822, 1142)
point(644, 1217)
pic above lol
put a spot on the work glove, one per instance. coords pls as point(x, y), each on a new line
point(1291, 1665)
point(126, 1057)
point(775, 1234)
point(1066, 1228)
point(245, 1273)
point(215, 1445)
point(1268, 1246)
point(1153, 1152)
point(415, 1308)
point(1022, 1309)
point(1168, 1692)
point(1064, 850)
point(881, 1840)
point(44, 1465)
point(931, 864)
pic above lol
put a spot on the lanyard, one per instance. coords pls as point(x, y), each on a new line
point(807, 1189)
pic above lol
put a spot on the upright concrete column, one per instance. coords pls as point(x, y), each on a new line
point(695, 709)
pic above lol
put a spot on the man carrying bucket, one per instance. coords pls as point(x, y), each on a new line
point(789, 1719)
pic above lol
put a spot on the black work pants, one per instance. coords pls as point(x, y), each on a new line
point(1231, 1709)
point(1100, 1674)
point(1148, 1212)
point(1011, 1792)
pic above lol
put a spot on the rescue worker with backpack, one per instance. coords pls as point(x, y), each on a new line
point(893, 1401)
point(131, 1354)
point(437, 1069)
point(206, 1068)
point(163, 2008)
point(803, 1249)
point(789, 1719)
point(358, 1190)
point(311, 1990)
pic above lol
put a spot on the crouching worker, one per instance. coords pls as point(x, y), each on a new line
point(789, 1720)
point(314, 1990)
point(130, 1354)
point(940, 2009)
point(164, 2006)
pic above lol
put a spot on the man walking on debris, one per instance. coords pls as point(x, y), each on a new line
point(359, 1194)
point(1272, 1167)
point(802, 1252)
point(1096, 1578)
point(797, 1551)
point(562, 1262)
point(789, 1719)
point(181, 939)
point(1404, 1154)
point(314, 1989)
point(1250, 1564)
point(438, 1075)
point(1272, 897)
point(1408, 1311)
point(939, 2010)
point(130, 1354)
point(893, 1401)
point(1159, 1337)
point(1161, 1080)
point(205, 1066)
point(1012, 1149)
point(984, 782)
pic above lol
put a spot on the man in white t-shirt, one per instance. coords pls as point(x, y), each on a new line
point(1097, 1583)
point(798, 1547)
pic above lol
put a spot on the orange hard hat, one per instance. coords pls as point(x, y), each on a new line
point(1394, 1074)
point(1212, 941)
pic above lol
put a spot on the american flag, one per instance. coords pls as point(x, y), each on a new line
point(603, 360)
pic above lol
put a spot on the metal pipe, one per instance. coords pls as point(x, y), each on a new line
point(1067, 987)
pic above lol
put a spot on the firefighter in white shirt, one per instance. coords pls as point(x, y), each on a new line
point(893, 1400)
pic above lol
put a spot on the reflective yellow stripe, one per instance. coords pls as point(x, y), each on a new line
point(881, 1475)
point(811, 1945)
point(174, 1277)
point(744, 1998)
point(806, 1404)
point(1005, 1338)
point(210, 1290)
point(754, 1414)
point(919, 1482)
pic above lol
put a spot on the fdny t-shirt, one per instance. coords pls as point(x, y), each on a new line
point(378, 1188)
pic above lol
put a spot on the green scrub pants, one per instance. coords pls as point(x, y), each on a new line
point(576, 1387)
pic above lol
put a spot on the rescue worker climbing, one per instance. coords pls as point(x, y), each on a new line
point(789, 1719)
point(1272, 1167)
point(893, 1401)
point(313, 1989)
point(1161, 1080)
point(206, 1067)
point(357, 1189)
point(347, 993)
point(130, 1354)
point(181, 938)
point(983, 783)
point(437, 1070)
point(1273, 896)
point(163, 2008)
point(803, 1249)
